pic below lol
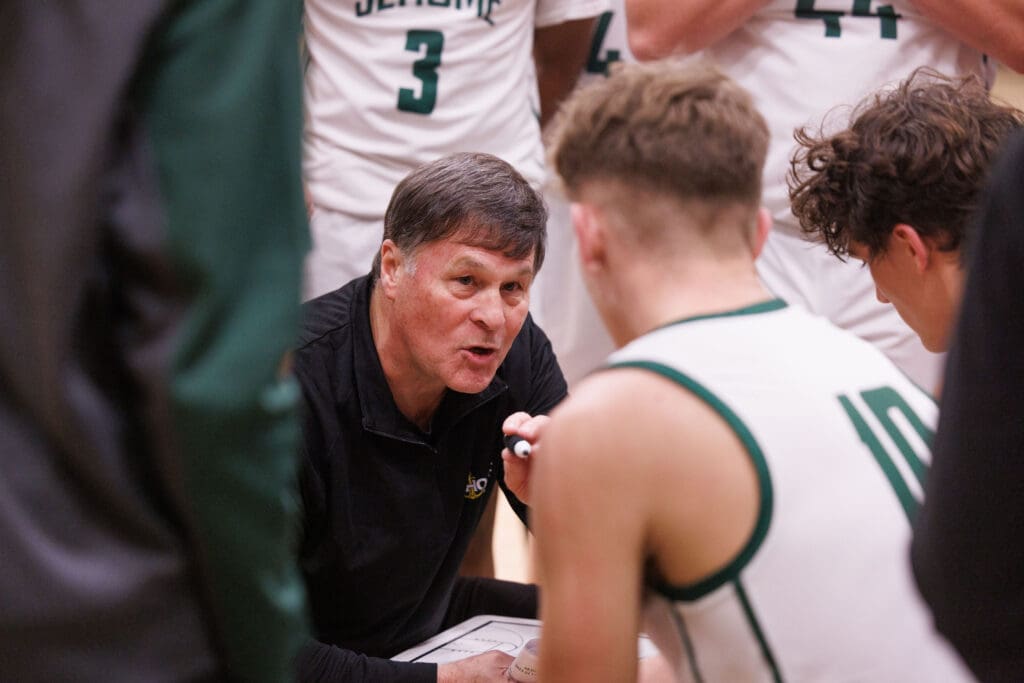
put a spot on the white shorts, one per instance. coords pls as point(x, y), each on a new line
point(805, 274)
point(343, 249)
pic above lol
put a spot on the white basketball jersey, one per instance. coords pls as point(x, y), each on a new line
point(392, 84)
point(822, 591)
point(801, 59)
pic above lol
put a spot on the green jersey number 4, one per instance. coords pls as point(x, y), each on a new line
point(882, 403)
point(425, 69)
point(595, 64)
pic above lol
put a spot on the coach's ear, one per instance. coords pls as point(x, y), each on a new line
point(590, 236)
point(764, 226)
point(907, 241)
point(391, 270)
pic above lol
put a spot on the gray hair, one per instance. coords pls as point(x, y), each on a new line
point(478, 196)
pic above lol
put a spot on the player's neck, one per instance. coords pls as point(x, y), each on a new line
point(648, 297)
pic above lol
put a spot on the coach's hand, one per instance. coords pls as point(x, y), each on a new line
point(517, 470)
point(488, 667)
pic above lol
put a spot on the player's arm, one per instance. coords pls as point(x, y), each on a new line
point(560, 53)
point(659, 28)
point(628, 470)
point(996, 27)
point(589, 512)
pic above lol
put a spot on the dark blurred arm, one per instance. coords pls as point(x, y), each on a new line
point(560, 52)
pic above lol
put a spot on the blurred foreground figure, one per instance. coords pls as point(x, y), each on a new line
point(742, 474)
point(153, 230)
point(969, 541)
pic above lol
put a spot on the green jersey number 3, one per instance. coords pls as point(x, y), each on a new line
point(424, 69)
point(882, 402)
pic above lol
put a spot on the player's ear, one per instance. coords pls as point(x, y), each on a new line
point(589, 233)
point(764, 226)
point(391, 270)
point(909, 242)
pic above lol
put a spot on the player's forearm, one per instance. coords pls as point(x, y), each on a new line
point(581, 655)
point(586, 639)
point(659, 28)
point(560, 52)
point(995, 27)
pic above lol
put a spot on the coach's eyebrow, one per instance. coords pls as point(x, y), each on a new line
point(472, 263)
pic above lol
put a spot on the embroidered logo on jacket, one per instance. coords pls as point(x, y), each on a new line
point(475, 487)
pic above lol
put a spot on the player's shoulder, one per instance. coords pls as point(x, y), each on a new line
point(632, 391)
point(628, 410)
point(611, 391)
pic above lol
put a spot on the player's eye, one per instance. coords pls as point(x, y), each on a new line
point(465, 280)
point(512, 287)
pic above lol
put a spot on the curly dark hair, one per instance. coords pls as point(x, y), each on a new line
point(917, 154)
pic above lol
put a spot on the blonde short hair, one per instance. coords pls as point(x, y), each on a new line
point(687, 131)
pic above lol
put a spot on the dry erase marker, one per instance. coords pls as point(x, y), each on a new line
point(518, 445)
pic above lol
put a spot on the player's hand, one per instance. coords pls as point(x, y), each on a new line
point(487, 667)
point(517, 470)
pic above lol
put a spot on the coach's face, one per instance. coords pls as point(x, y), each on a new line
point(458, 307)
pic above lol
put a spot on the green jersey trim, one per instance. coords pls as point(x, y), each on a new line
point(754, 309)
point(732, 570)
point(684, 636)
point(755, 626)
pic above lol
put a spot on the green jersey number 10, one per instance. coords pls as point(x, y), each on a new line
point(883, 403)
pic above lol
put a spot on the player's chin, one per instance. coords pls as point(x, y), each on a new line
point(936, 341)
point(930, 340)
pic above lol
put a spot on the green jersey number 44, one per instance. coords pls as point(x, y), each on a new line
point(861, 8)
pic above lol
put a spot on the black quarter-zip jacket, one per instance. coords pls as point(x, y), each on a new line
point(389, 510)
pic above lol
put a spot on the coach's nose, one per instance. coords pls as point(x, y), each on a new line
point(489, 311)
